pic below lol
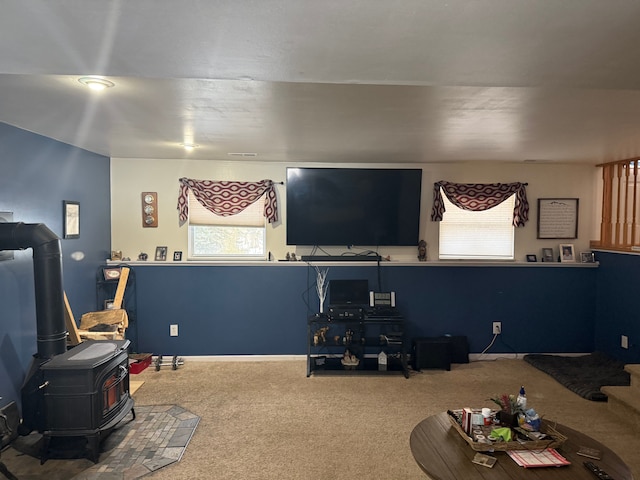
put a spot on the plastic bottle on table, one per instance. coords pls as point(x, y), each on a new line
point(521, 401)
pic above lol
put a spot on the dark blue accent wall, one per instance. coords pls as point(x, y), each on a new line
point(262, 309)
point(617, 305)
point(36, 175)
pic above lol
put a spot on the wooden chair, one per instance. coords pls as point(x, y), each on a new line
point(116, 316)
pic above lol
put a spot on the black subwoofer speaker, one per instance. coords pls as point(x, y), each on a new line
point(459, 349)
point(431, 352)
point(439, 352)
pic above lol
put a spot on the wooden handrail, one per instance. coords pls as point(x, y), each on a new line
point(619, 224)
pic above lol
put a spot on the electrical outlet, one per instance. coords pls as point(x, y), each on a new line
point(497, 328)
point(624, 341)
point(173, 330)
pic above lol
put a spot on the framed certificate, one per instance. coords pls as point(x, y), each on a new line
point(558, 218)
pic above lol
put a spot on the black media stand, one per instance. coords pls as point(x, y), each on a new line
point(328, 340)
point(341, 258)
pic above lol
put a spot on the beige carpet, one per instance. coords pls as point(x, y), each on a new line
point(266, 420)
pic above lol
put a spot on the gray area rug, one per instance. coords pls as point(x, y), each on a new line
point(584, 374)
point(157, 437)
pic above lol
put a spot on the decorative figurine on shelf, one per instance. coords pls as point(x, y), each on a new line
point(349, 360)
point(287, 256)
point(422, 251)
point(143, 257)
point(320, 336)
point(348, 336)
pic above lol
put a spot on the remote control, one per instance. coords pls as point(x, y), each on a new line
point(597, 471)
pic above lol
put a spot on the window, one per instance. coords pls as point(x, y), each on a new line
point(238, 236)
point(486, 235)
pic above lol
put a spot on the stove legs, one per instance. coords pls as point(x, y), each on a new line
point(92, 448)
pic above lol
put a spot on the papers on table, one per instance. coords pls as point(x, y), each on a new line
point(538, 458)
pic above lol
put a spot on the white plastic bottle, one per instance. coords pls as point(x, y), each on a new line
point(521, 401)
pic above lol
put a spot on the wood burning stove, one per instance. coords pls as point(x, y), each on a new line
point(79, 392)
point(86, 392)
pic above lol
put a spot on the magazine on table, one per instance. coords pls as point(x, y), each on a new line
point(538, 458)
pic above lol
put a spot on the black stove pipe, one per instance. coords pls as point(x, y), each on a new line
point(47, 272)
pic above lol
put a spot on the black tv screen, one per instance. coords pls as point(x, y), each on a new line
point(348, 292)
point(353, 206)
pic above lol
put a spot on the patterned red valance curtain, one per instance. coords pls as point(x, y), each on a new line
point(481, 196)
point(227, 198)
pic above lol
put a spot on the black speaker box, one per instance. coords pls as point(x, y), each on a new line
point(459, 349)
point(431, 352)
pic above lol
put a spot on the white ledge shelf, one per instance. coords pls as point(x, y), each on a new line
point(391, 263)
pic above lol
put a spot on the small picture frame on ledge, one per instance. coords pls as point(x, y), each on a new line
point(567, 253)
point(587, 257)
point(177, 256)
point(532, 258)
point(547, 255)
point(161, 254)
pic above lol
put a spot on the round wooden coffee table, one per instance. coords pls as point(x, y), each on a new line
point(443, 454)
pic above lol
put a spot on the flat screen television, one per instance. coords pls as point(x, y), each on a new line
point(353, 206)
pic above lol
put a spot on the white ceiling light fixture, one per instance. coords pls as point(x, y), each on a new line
point(96, 83)
point(189, 146)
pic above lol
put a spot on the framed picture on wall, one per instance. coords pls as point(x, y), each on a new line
point(558, 217)
point(567, 253)
point(71, 219)
point(532, 258)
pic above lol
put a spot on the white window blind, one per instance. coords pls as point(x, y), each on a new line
point(214, 236)
point(252, 216)
point(486, 235)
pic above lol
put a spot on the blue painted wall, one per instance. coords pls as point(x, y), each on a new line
point(37, 175)
point(263, 309)
point(617, 306)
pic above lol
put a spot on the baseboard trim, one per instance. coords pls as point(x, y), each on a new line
point(244, 358)
point(479, 357)
point(473, 357)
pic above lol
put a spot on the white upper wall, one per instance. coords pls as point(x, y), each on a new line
point(131, 177)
